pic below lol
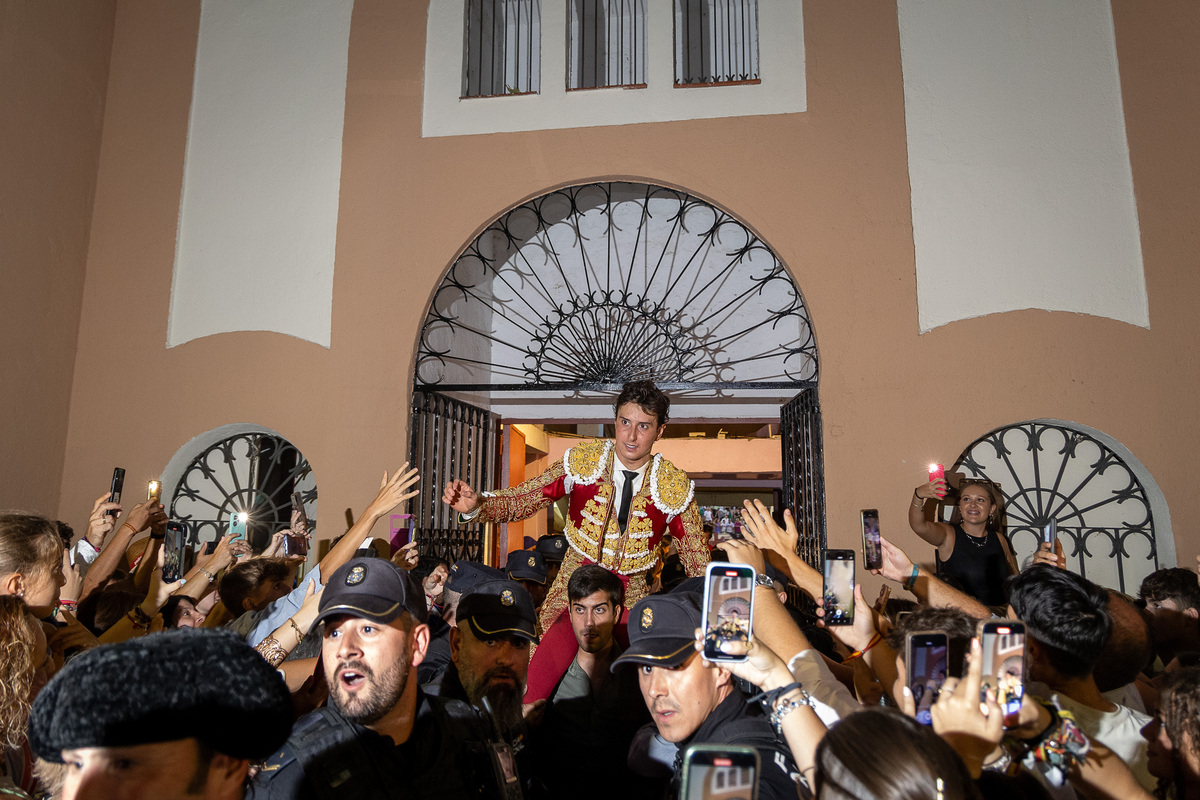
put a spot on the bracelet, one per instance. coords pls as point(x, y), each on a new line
point(876, 639)
point(912, 579)
point(272, 651)
point(783, 709)
point(919, 502)
point(127, 525)
point(211, 578)
point(139, 619)
point(296, 628)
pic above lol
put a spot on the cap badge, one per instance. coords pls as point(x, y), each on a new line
point(531, 561)
point(647, 618)
point(356, 576)
point(558, 545)
point(506, 597)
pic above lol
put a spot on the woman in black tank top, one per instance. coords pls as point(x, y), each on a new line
point(973, 554)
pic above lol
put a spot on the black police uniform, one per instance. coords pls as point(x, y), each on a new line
point(735, 722)
point(448, 756)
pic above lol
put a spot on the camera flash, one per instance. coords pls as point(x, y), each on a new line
point(242, 515)
point(933, 467)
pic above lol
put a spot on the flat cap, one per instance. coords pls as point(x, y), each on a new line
point(374, 589)
point(180, 684)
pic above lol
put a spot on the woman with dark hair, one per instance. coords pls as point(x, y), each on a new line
point(878, 754)
point(972, 552)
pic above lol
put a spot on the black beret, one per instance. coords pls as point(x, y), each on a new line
point(180, 684)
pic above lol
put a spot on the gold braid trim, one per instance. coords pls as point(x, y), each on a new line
point(521, 502)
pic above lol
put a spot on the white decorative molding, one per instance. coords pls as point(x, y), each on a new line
point(258, 212)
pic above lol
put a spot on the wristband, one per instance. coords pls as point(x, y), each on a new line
point(127, 525)
point(912, 579)
point(860, 653)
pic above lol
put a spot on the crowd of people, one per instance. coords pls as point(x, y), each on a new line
point(578, 669)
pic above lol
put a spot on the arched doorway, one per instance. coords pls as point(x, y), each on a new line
point(568, 295)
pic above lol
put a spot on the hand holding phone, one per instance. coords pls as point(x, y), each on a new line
point(154, 491)
point(838, 589)
point(114, 492)
point(938, 473)
point(174, 551)
point(872, 546)
point(714, 770)
point(1002, 643)
point(1050, 532)
point(926, 659)
point(237, 524)
point(728, 611)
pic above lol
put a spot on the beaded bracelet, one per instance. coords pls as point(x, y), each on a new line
point(783, 709)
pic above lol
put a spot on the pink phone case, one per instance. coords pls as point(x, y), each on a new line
point(938, 473)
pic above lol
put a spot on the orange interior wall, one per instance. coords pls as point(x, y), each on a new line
point(516, 476)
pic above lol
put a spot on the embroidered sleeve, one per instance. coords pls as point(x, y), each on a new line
point(522, 502)
point(688, 531)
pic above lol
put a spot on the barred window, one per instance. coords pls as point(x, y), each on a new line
point(502, 51)
point(607, 45)
point(716, 41)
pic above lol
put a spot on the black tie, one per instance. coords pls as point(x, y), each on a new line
point(626, 497)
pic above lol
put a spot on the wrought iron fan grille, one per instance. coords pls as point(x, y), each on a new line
point(590, 286)
point(1050, 471)
point(251, 472)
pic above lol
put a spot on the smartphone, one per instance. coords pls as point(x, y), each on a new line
point(401, 530)
point(114, 491)
point(728, 610)
point(937, 473)
point(154, 491)
point(872, 547)
point(714, 770)
point(839, 587)
point(237, 524)
point(1003, 646)
point(174, 551)
point(926, 657)
point(1050, 532)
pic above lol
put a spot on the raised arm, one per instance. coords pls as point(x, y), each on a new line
point(139, 519)
point(930, 591)
point(932, 531)
point(392, 492)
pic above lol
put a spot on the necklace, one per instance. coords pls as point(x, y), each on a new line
point(978, 541)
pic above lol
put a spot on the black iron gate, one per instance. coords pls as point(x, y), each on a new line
point(803, 473)
point(450, 439)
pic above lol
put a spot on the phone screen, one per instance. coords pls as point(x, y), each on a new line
point(926, 660)
point(114, 491)
point(295, 545)
point(173, 551)
point(872, 547)
point(1003, 645)
point(728, 609)
point(839, 587)
point(716, 771)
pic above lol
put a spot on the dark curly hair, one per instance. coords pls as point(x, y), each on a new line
point(648, 397)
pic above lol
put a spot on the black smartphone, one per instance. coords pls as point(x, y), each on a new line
point(1003, 645)
point(174, 555)
point(839, 587)
point(1050, 532)
point(295, 544)
point(114, 491)
point(719, 771)
point(926, 660)
point(728, 610)
point(872, 547)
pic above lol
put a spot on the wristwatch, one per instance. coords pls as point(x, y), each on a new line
point(763, 579)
